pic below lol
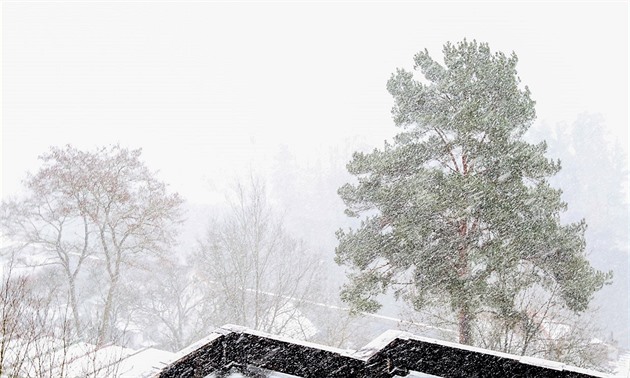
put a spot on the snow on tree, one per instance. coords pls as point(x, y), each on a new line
point(104, 205)
point(457, 211)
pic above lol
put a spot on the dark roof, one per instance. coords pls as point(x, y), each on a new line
point(394, 353)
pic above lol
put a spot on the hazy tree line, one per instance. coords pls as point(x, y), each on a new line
point(459, 218)
point(95, 232)
point(594, 182)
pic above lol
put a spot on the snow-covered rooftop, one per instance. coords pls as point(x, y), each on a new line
point(393, 354)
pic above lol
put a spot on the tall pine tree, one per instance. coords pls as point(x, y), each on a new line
point(458, 208)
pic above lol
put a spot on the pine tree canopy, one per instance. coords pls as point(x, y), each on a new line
point(457, 208)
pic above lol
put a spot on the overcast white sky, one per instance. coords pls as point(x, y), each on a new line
point(211, 88)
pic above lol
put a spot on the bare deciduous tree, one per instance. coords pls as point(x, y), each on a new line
point(260, 273)
point(174, 308)
point(37, 337)
point(103, 204)
point(35, 329)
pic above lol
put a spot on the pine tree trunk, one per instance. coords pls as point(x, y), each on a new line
point(464, 316)
point(464, 324)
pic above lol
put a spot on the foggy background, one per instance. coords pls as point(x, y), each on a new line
point(214, 91)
